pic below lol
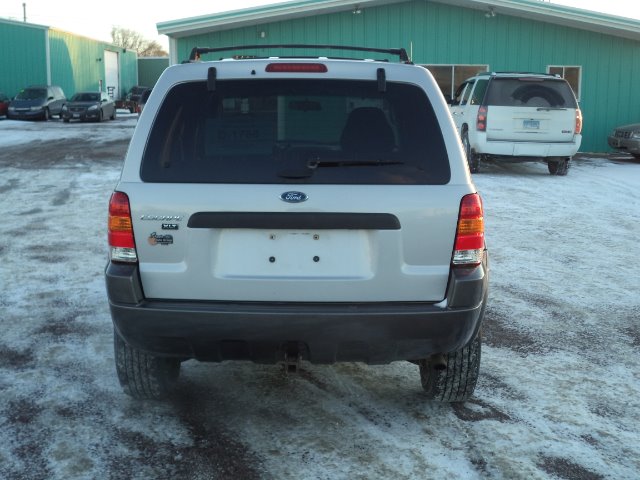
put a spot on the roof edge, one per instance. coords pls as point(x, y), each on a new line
point(565, 13)
point(258, 15)
point(24, 24)
point(534, 9)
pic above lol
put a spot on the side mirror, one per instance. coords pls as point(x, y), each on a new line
point(50, 98)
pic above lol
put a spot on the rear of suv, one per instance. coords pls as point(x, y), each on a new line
point(518, 116)
point(295, 209)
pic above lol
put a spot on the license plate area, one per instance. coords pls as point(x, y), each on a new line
point(531, 124)
point(293, 254)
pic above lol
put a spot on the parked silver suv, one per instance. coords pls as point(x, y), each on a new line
point(282, 210)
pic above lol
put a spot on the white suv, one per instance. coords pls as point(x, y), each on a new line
point(521, 116)
point(288, 209)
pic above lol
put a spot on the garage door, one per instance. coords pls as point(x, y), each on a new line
point(112, 74)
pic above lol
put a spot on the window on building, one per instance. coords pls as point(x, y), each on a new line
point(449, 77)
point(573, 75)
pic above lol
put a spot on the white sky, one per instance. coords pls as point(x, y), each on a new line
point(95, 19)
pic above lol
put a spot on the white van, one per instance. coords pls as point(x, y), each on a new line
point(521, 116)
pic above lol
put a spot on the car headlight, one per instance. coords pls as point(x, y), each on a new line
point(93, 107)
point(635, 135)
point(64, 108)
point(12, 109)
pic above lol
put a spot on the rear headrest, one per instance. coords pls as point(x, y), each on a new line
point(367, 131)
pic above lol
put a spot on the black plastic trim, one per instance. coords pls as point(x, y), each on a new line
point(212, 74)
point(295, 220)
point(371, 333)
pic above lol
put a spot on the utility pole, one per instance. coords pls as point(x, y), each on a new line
point(24, 12)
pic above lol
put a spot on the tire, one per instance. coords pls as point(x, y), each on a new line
point(132, 110)
point(472, 158)
point(100, 116)
point(65, 120)
point(558, 167)
point(113, 115)
point(457, 381)
point(142, 375)
point(46, 115)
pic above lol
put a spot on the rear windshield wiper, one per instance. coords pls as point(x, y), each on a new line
point(306, 170)
point(313, 164)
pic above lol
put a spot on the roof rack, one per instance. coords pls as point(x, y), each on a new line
point(196, 52)
point(514, 72)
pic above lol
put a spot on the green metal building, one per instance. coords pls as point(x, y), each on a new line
point(150, 69)
point(36, 54)
point(598, 54)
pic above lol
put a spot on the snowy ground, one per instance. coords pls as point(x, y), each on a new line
point(559, 390)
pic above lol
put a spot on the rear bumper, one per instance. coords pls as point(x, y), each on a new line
point(529, 149)
point(320, 332)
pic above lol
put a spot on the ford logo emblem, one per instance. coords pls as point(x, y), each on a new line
point(294, 197)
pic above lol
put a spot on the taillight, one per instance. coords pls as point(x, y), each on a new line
point(469, 244)
point(296, 68)
point(481, 120)
point(578, 121)
point(122, 245)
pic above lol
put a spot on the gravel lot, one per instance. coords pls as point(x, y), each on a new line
point(560, 379)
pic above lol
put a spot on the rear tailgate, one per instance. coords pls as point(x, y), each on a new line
point(306, 255)
point(530, 109)
point(531, 124)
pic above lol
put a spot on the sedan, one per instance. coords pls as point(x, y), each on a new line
point(626, 139)
point(89, 106)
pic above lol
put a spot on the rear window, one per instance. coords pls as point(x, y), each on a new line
point(296, 131)
point(530, 92)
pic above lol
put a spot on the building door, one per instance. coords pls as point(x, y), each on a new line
point(112, 74)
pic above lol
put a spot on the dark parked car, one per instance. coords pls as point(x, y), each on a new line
point(37, 102)
point(130, 102)
point(4, 104)
point(89, 106)
point(626, 139)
